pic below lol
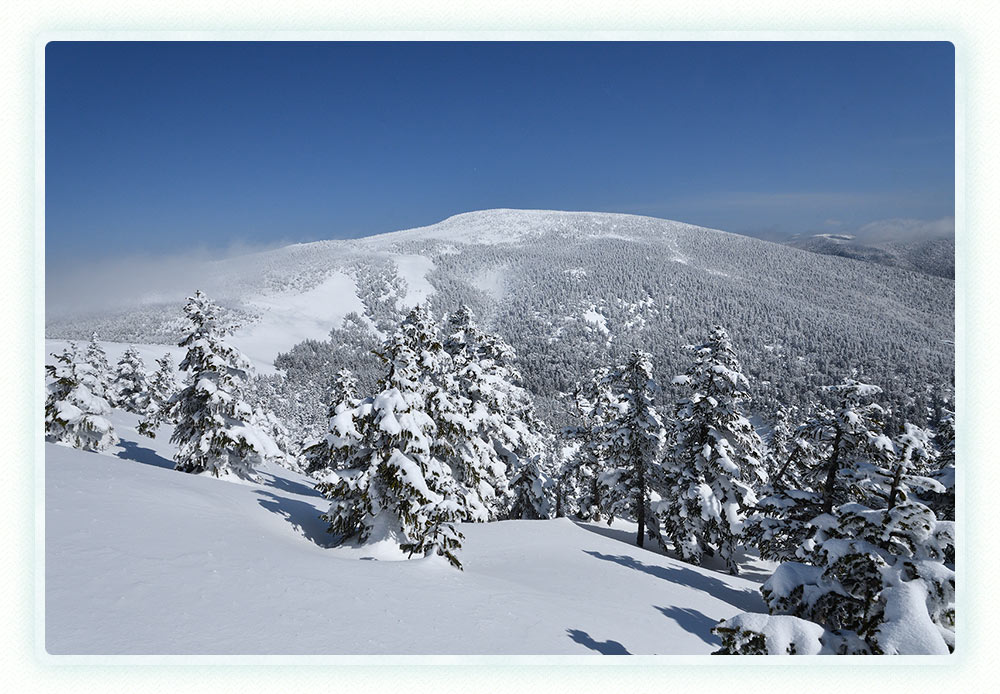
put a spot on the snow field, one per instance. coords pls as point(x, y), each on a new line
point(142, 559)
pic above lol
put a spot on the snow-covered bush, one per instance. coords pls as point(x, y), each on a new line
point(76, 410)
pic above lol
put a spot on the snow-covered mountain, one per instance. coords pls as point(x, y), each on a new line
point(932, 256)
point(571, 290)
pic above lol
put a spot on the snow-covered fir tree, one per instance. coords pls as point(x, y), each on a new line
point(943, 503)
point(631, 442)
point(841, 448)
point(98, 360)
point(214, 429)
point(878, 581)
point(780, 442)
point(458, 442)
point(486, 375)
point(393, 489)
point(131, 385)
point(331, 451)
point(532, 491)
point(594, 406)
point(76, 410)
point(907, 476)
point(162, 386)
point(717, 457)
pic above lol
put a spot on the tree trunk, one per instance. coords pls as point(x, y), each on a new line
point(640, 512)
point(831, 474)
point(894, 492)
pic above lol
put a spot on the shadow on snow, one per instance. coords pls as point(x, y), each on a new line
point(746, 600)
point(288, 485)
point(694, 622)
point(304, 517)
point(604, 647)
point(146, 456)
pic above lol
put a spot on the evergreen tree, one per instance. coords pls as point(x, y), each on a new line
point(486, 375)
point(532, 489)
point(943, 502)
point(393, 489)
point(632, 441)
point(332, 450)
point(781, 442)
point(162, 386)
point(878, 581)
point(98, 360)
point(76, 410)
point(716, 460)
point(595, 405)
point(842, 451)
point(130, 385)
point(214, 431)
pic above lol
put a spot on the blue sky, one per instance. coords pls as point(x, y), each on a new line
point(161, 146)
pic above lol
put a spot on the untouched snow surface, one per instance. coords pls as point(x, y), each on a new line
point(290, 317)
point(141, 559)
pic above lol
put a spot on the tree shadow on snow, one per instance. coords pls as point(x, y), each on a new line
point(694, 622)
point(604, 647)
point(626, 536)
point(289, 486)
point(304, 517)
point(146, 456)
point(746, 600)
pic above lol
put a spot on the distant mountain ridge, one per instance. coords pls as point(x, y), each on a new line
point(571, 291)
point(931, 256)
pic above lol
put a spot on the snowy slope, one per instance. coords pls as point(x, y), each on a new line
point(141, 559)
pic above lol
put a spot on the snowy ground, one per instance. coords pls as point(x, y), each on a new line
point(141, 559)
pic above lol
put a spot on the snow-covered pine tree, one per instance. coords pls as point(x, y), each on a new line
point(213, 425)
point(131, 385)
point(98, 360)
point(76, 410)
point(780, 442)
point(879, 581)
point(841, 449)
point(473, 462)
point(331, 451)
point(594, 406)
point(393, 489)
point(943, 503)
point(717, 457)
point(632, 441)
point(162, 386)
point(532, 491)
point(487, 376)
point(907, 476)
point(876, 569)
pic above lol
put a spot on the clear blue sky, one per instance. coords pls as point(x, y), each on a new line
point(159, 146)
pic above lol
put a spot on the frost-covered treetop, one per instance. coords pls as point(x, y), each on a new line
point(206, 350)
